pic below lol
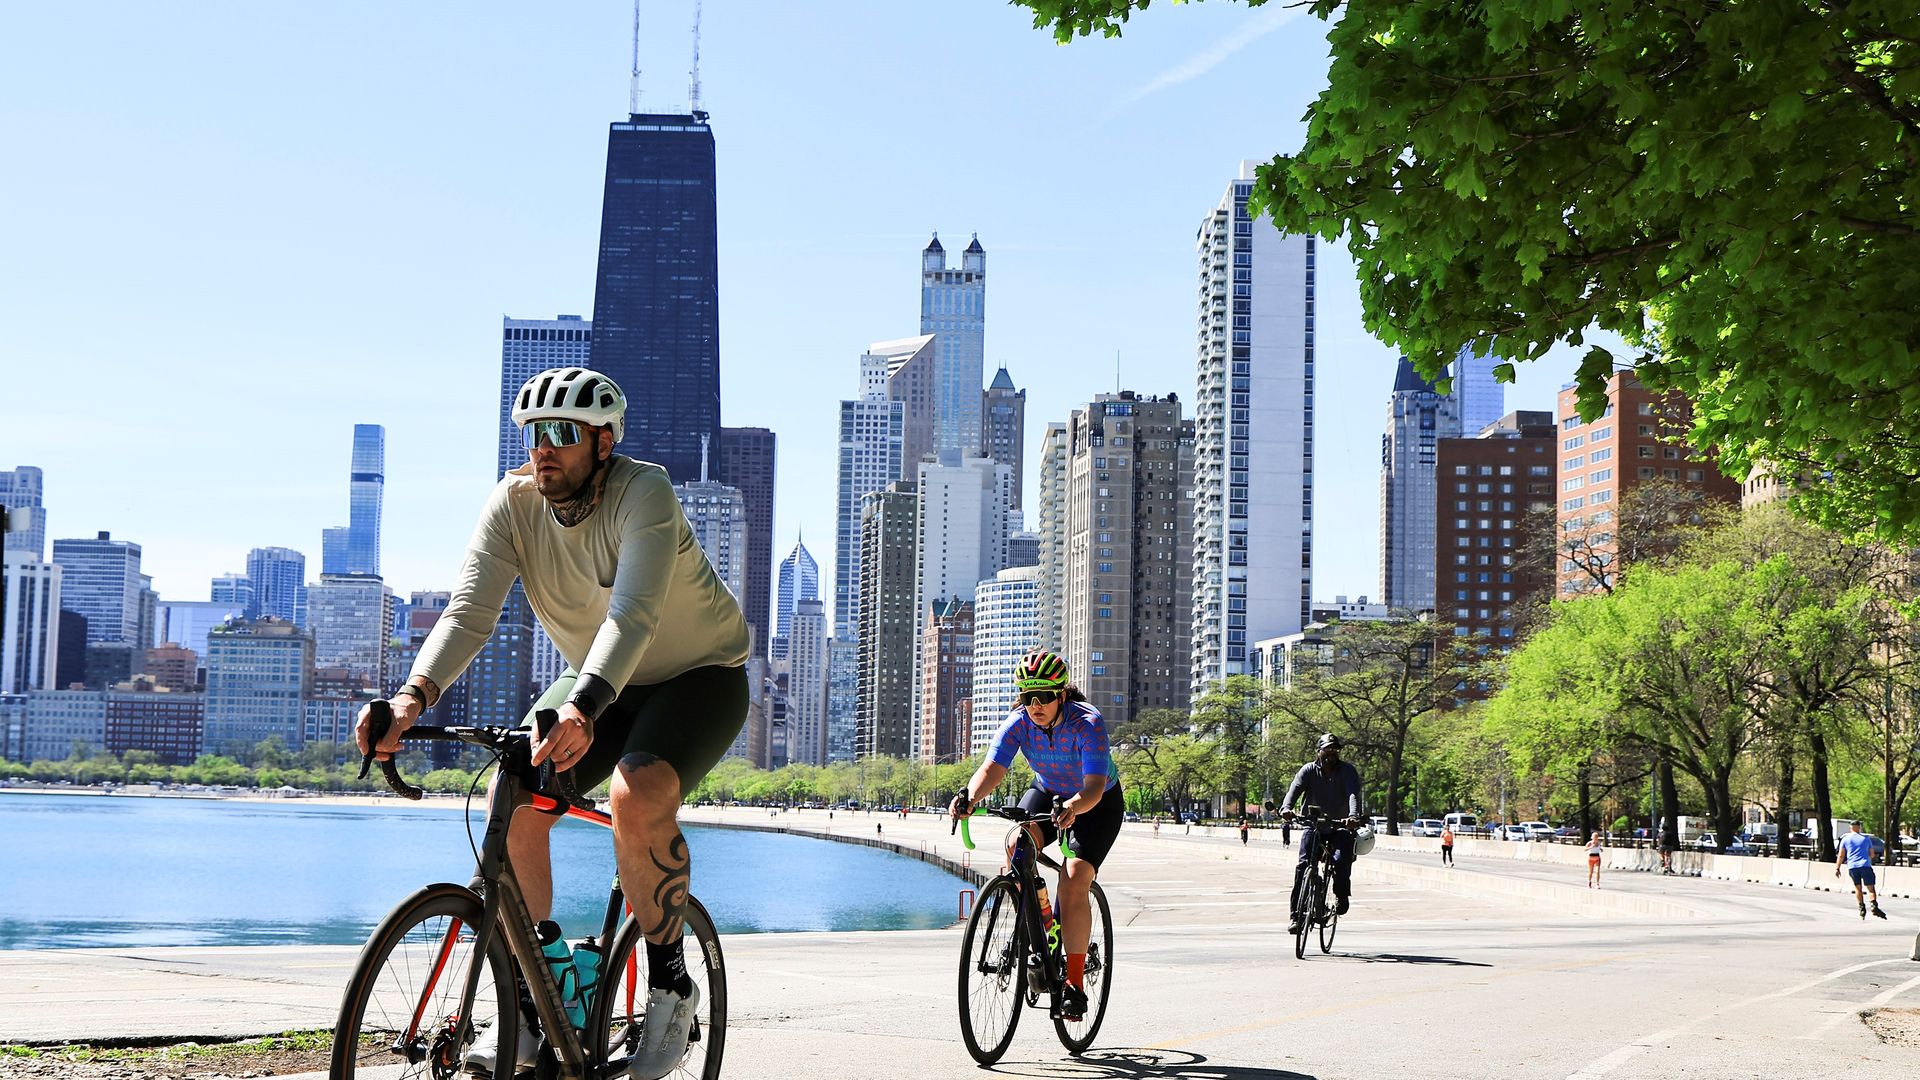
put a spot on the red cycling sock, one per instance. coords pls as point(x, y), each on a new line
point(1076, 968)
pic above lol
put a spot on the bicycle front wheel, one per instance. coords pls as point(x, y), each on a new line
point(1327, 926)
point(401, 1015)
point(1308, 913)
point(993, 972)
point(620, 1003)
point(1077, 1035)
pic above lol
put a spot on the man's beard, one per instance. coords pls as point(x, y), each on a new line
point(574, 504)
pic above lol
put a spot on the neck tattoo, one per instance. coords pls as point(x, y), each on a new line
point(577, 507)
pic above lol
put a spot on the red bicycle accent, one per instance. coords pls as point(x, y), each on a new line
point(426, 993)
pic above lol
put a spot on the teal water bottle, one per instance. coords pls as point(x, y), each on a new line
point(560, 965)
point(587, 958)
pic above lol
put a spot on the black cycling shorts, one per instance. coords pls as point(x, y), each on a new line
point(1092, 834)
point(689, 722)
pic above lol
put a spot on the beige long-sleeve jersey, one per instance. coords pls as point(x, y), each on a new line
point(626, 595)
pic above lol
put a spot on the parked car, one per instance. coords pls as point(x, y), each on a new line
point(1427, 826)
point(1537, 830)
point(1463, 824)
point(1512, 832)
point(1568, 830)
point(1130, 816)
point(1379, 824)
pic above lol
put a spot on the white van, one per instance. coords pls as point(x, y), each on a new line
point(1462, 824)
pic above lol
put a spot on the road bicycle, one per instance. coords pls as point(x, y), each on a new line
point(1320, 916)
point(1011, 949)
point(451, 959)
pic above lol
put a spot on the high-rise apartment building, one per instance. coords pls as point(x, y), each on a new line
point(258, 673)
point(871, 431)
point(1127, 560)
point(1006, 627)
point(810, 670)
point(945, 708)
point(527, 348)
point(953, 308)
point(500, 680)
point(101, 581)
point(355, 549)
point(29, 623)
point(843, 698)
point(799, 582)
point(904, 371)
point(889, 528)
point(746, 462)
point(234, 590)
point(962, 540)
point(21, 491)
point(279, 579)
point(1483, 398)
point(1004, 430)
point(1640, 437)
point(1053, 534)
point(351, 618)
point(656, 299)
point(1418, 417)
point(1253, 441)
point(1482, 587)
point(717, 514)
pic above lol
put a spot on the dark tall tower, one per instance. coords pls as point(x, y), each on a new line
point(746, 462)
point(656, 305)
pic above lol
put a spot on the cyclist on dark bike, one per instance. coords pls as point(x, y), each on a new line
point(656, 647)
point(1065, 740)
point(1332, 785)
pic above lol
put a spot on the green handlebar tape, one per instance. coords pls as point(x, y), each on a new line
point(966, 835)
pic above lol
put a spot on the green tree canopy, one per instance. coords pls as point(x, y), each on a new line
point(1729, 187)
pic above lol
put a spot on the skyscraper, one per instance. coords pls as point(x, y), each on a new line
point(101, 581)
point(527, 348)
point(656, 300)
point(30, 645)
point(235, 590)
point(258, 672)
point(1253, 447)
point(1483, 398)
point(953, 308)
point(500, 679)
point(889, 525)
point(870, 446)
point(1006, 626)
point(1128, 553)
point(799, 581)
point(962, 540)
point(843, 698)
point(903, 371)
point(1418, 416)
point(21, 490)
point(718, 517)
point(811, 667)
point(1053, 531)
point(279, 577)
point(1483, 596)
point(351, 619)
point(1004, 416)
point(746, 462)
point(355, 549)
point(945, 708)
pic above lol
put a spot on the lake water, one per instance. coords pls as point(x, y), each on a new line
point(82, 871)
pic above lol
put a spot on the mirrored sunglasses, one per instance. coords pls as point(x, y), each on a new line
point(555, 432)
point(1039, 697)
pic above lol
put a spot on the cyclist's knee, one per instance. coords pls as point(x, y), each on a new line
point(644, 787)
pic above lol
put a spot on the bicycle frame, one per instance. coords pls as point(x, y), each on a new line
point(1025, 867)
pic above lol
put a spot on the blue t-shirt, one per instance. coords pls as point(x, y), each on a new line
point(1858, 848)
point(1064, 757)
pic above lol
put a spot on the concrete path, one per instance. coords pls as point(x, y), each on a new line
point(1494, 968)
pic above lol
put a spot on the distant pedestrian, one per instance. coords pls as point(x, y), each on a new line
point(1856, 855)
point(1243, 832)
point(877, 830)
point(1156, 829)
point(1666, 852)
point(1594, 849)
point(1446, 845)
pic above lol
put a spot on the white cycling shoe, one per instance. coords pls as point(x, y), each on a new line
point(663, 1034)
point(480, 1057)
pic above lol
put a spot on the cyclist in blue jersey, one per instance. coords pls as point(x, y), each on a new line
point(1065, 741)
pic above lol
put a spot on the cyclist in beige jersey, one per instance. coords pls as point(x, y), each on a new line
point(656, 686)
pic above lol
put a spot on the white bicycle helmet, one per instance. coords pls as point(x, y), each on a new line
point(572, 393)
point(1362, 840)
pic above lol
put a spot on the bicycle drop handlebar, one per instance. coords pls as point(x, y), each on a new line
point(514, 745)
point(1013, 814)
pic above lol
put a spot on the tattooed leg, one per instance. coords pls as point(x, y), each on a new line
point(654, 862)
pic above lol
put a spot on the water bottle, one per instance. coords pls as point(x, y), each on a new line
point(587, 959)
point(560, 965)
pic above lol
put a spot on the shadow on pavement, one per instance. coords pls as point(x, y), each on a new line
point(1402, 958)
point(1141, 1064)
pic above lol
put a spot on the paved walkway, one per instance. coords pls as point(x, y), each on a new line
point(1493, 968)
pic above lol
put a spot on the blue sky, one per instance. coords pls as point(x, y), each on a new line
point(236, 230)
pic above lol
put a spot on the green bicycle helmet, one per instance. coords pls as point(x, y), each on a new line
point(1040, 670)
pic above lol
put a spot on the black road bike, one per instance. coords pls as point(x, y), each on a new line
point(1010, 953)
point(452, 959)
point(1319, 915)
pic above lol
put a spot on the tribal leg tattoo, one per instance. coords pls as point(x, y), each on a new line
point(670, 892)
point(659, 876)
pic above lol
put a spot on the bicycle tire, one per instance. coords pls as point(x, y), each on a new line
point(621, 1001)
point(993, 971)
point(1310, 897)
point(410, 977)
point(1327, 927)
point(1077, 1036)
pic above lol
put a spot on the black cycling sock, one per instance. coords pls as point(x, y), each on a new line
point(667, 967)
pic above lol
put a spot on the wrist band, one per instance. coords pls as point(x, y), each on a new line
point(414, 692)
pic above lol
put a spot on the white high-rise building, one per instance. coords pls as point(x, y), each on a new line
point(1006, 626)
point(1253, 453)
point(1052, 584)
point(810, 655)
point(21, 490)
point(871, 434)
point(351, 619)
point(31, 619)
point(953, 308)
point(1418, 417)
point(1483, 398)
point(962, 538)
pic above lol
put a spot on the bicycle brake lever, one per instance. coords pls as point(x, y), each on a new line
point(379, 722)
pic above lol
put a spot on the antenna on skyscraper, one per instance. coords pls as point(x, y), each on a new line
point(633, 88)
point(693, 84)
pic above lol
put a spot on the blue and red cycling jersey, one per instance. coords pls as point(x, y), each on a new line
point(1062, 758)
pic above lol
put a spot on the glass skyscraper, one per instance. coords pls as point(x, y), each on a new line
point(746, 461)
point(279, 577)
point(953, 308)
point(101, 581)
point(527, 348)
point(356, 548)
point(656, 302)
point(20, 492)
point(799, 580)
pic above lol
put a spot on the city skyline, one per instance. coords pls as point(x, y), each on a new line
point(419, 325)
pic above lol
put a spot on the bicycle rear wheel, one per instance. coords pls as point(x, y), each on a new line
point(993, 971)
point(621, 1001)
point(1077, 1035)
point(400, 1016)
point(1327, 926)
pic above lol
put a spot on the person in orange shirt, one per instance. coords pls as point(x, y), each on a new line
point(1446, 845)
